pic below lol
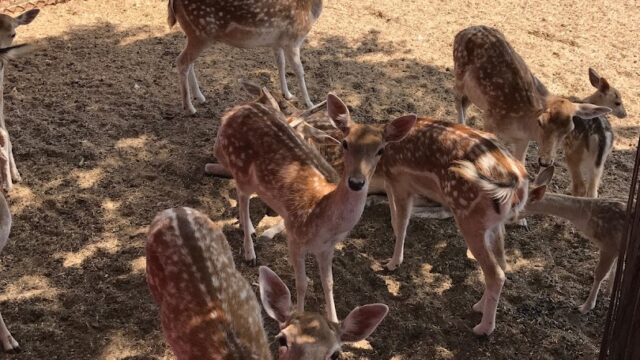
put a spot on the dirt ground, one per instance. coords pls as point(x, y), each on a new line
point(102, 146)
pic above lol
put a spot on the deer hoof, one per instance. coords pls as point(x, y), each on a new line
point(585, 308)
point(252, 262)
point(483, 330)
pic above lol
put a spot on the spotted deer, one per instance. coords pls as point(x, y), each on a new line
point(209, 311)
point(295, 181)
point(601, 220)
point(469, 172)
point(591, 141)
point(8, 27)
point(9, 344)
point(278, 24)
point(517, 107)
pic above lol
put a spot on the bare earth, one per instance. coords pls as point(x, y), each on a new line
point(102, 146)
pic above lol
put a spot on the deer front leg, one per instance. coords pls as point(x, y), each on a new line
point(184, 62)
point(602, 269)
point(247, 227)
point(282, 73)
point(326, 277)
point(296, 257)
point(194, 87)
point(462, 103)
point(9, 344)
point(293, 56)
point(400, 205)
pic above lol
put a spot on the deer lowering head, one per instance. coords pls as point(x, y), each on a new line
point(517, 107)
point(281, 25)
point(209, 311)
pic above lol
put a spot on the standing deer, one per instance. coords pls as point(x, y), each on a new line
point(279, 24)
point(266, 156)
point(601, 220)
point(8, 27)
point(518, 108)
point(469, 172)
point(9, 344)
point(591, 141)
point(209, 311)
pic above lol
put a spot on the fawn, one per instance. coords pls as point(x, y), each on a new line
point(9, 344)
point(518, 108)
point(600, 220)
point(591, 141)
point(280, 24)
point(8, 27)
point(469, 172)
point(276, 164)
point(209, 311)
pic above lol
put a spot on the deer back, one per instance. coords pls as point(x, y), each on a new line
point(207, 309)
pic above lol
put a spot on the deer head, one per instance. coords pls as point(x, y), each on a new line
point(606, 95)
point(309, 335)
point(9, 24)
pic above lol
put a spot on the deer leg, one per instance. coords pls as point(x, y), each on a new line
point(296, 257)
point(282, 73)
point(574, 163)
point(194, 87)
point(497, 242)
point(247, 227)
point(293, 56)
point(326, 277)
point(400, 206)
point(594, 176)
point(602, 269)
point(462, 104)
point(271, 232)
point(611, 277)
point(494, 278)
point(9, 344)
point(184, 62)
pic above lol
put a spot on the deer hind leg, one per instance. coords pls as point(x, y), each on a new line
point(611, 277)
point(400, 205)
point(184, 64)
point(293, 56)
point(247, 227)
point(296, 257)
point(493, 275)
point(605, 262)
point(282, 73)
point(593, 177)
point(326, 277)
point(9, 344)
point(271, 232)
point(462, 104)
point(194, 87)
point(574, 163)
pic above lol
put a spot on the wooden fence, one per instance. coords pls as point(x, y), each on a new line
point(621, 338)
point(15, 7)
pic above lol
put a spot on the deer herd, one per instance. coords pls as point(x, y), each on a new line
point(316, 170)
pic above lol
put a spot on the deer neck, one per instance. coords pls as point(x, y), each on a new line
point(594, 99)
point(571, 208)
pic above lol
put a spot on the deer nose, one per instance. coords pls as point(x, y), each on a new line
point(544, 163)
point(356, 184)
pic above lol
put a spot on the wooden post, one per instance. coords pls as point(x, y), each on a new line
point(621, 338)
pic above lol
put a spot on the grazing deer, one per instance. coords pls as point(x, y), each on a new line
point(209, 311)
point(469, 172)
point(280, 24)
point(266, 156)
point(591, 141)
point(8, 27)
point(600, 220)
point(9, 344)
point(518, 108)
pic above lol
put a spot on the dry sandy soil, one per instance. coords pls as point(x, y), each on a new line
point(102, 146)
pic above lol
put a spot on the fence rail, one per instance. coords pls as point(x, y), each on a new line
point(18, 6)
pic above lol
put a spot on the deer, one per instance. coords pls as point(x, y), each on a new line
point(209, 311)
point(517, 106)
point(472, 174)
point(587, 147)
point(602, 221)
point(282, 25)
point(9, 344)
point(8, 25)
point(295, 181)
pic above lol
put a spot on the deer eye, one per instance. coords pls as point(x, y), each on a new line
point(380, 152)
point(345, 145)
point(13, 35)
point(335, 355)
point(282, 341)
point(618, 103)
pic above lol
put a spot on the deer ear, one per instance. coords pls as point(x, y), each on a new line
point(589, 111)
point(269, 99)
point(338, 113)
point(594, 78)
point(275, 296)
point(604, 85)
point(27, 17)
point(544, 176)
point(362, 322)
point(399, 128)
point(537, 193)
